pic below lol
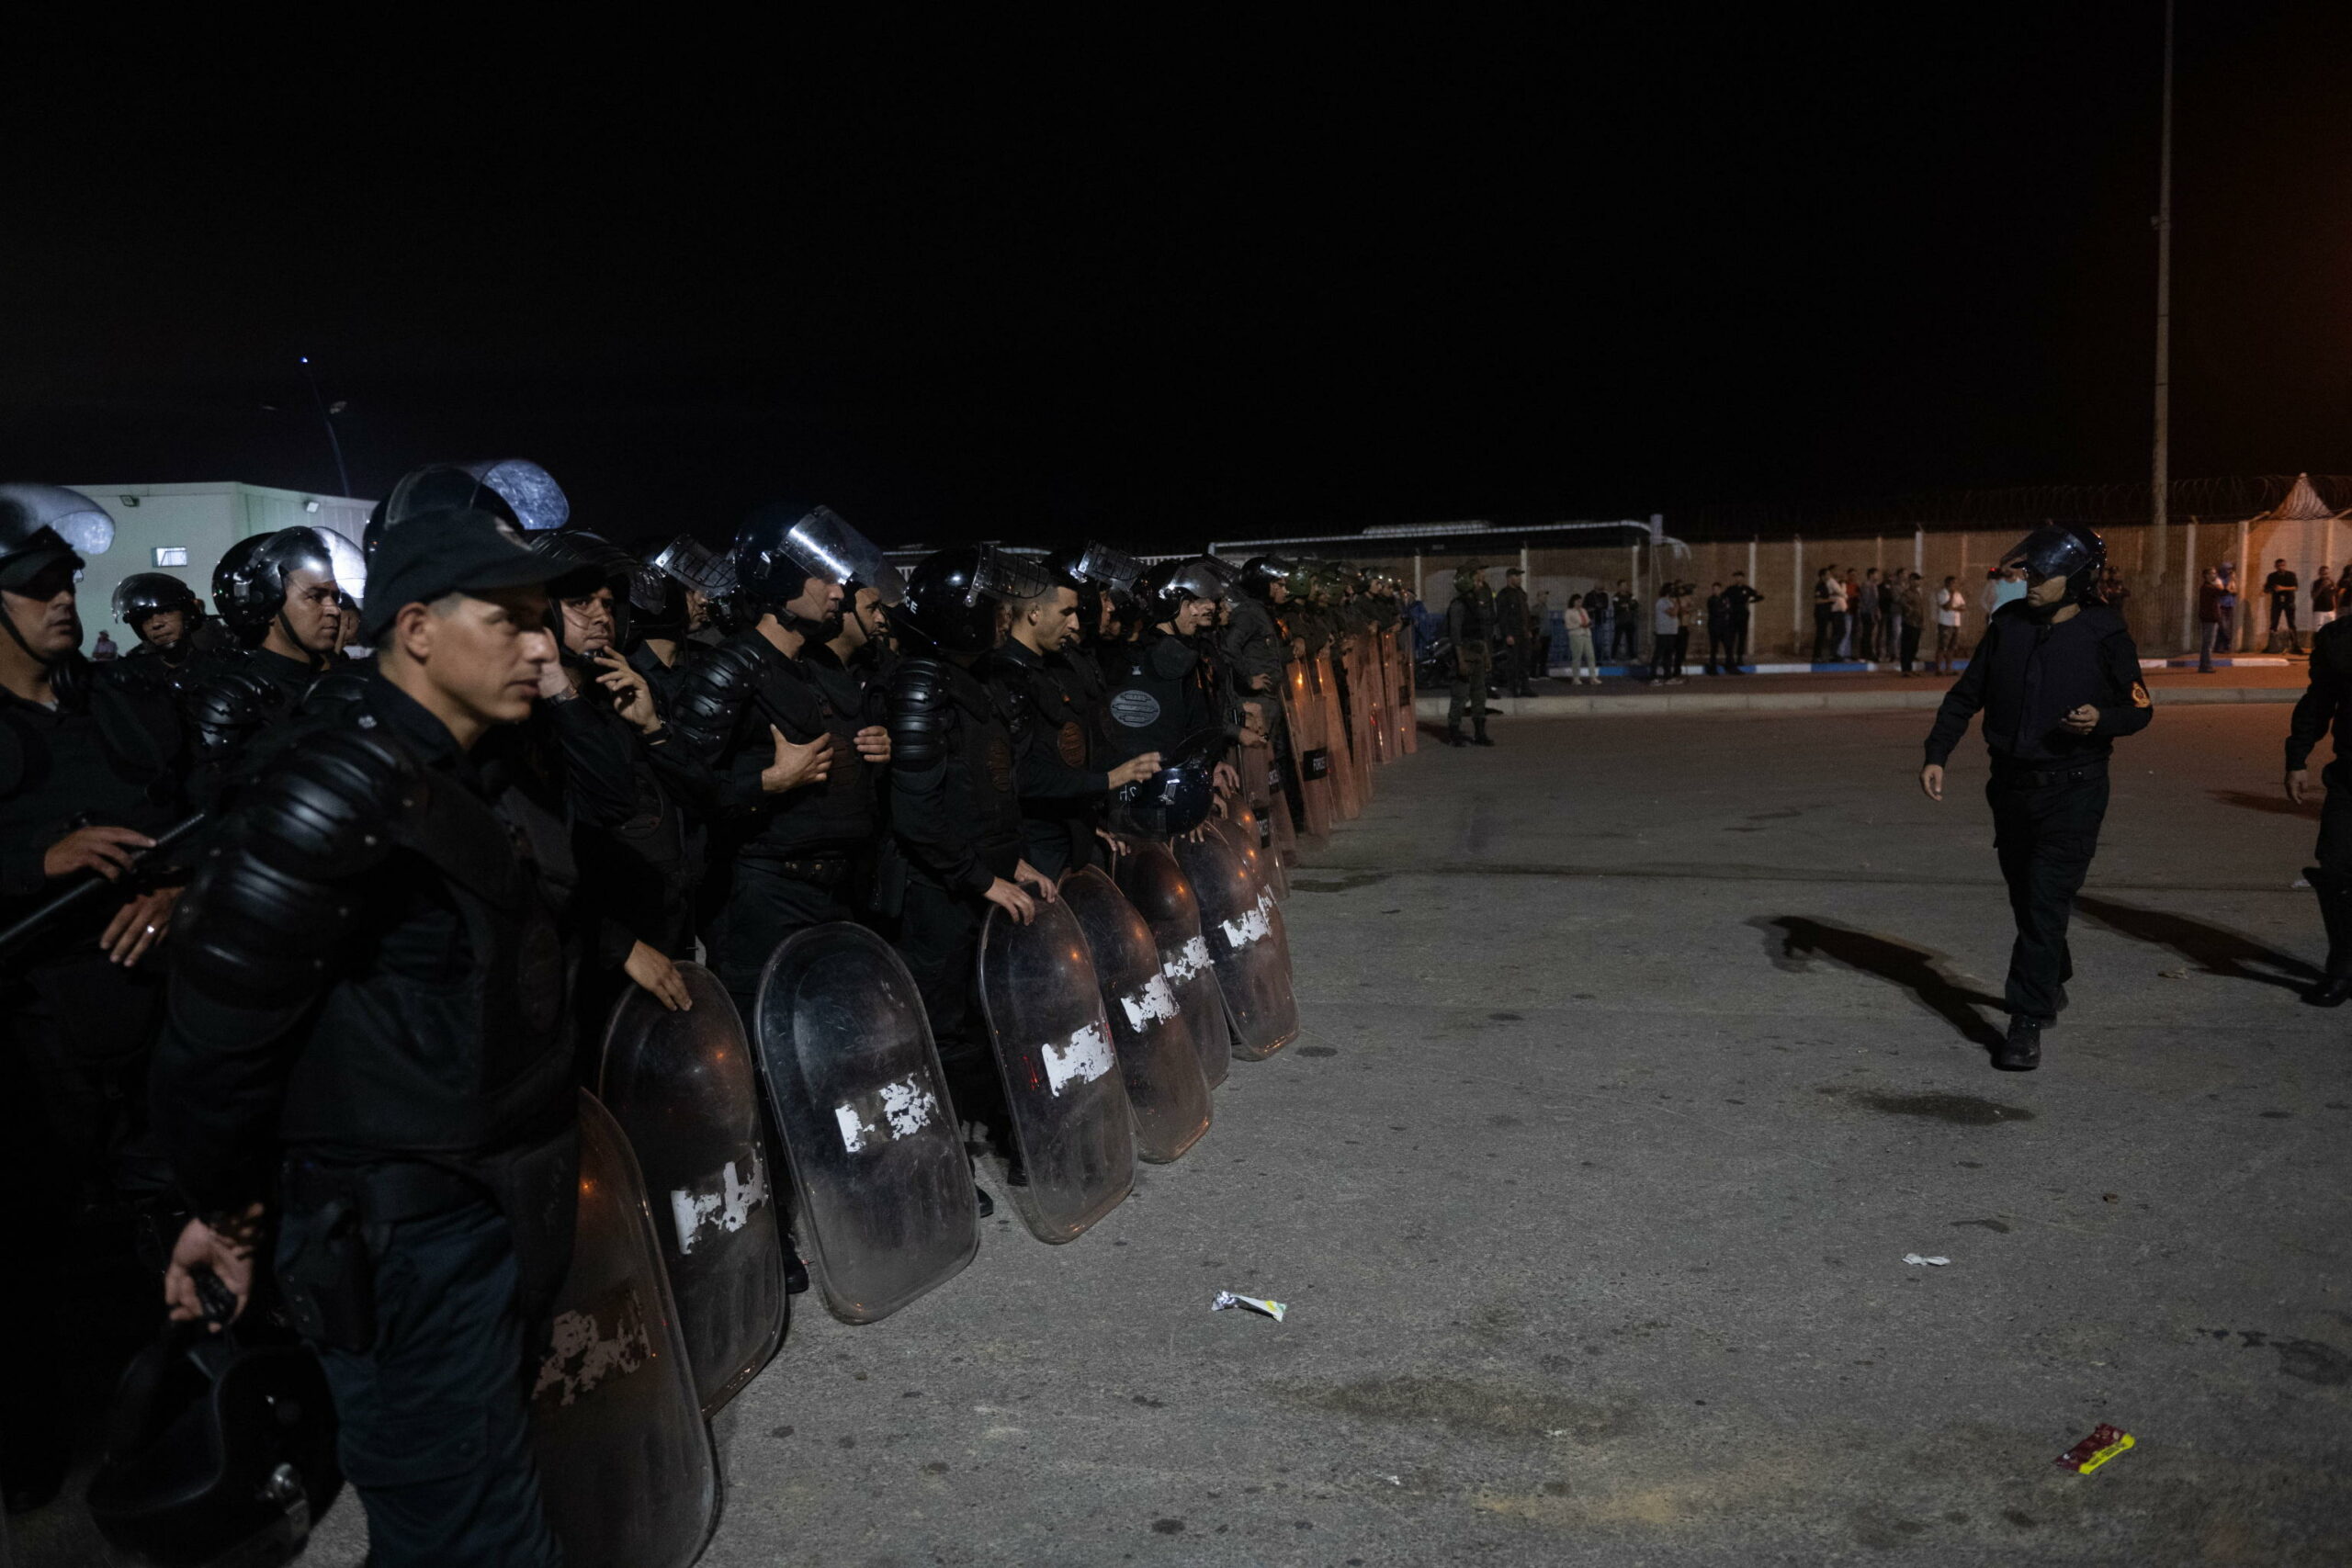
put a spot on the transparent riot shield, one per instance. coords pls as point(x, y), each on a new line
point(1155, 884)
point(1157, 1054)
point(1068, 1101)
point(624, 1461)
point(1239, 829)
point(683, 1089)
point(882, 1189)
point(1408, 701)
point(1248, 946)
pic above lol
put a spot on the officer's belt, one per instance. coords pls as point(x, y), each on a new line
point(384, 1194)
point(2017, 775)
point(818, 871)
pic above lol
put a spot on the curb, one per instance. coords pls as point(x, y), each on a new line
point(1674, 703)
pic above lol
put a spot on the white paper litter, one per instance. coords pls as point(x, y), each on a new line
point(1933, 1262)
point(1226, 1299)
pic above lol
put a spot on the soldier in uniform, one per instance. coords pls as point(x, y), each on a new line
point(2058, 679)
point(1470, 623)
point(370, 1050)
point(89, 774)
point(956, 806)
point(797, 776)
point(1515, 631)
point(1739, 601)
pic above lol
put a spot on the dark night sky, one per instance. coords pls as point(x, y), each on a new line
point(1159, 289)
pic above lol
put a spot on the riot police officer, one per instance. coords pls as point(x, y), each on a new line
point(955, 804)
point(1470, 623)
point(1168, 696)
point(371, 1047)
point(638, 875)
point(89, 775)
point(1061, 787)
point(2057, 677)
point(1515, 627)
point(278, 595)
point(796, 774)
point(162, 613)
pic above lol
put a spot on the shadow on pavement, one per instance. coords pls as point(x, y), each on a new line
point(1796, 940)
point(2217, 950)
point(2277, 804)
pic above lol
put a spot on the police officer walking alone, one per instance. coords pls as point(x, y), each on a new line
point(2057, 678)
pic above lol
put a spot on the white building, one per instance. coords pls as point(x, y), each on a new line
point(182, 529)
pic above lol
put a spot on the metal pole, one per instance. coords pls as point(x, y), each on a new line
point(1416, 574)
point(2160, 469)
point(2245, 638)
point(341, 474)
point(1796, 594)
point(2190, 582)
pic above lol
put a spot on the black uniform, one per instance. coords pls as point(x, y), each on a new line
point(1514, 637)
point(228, 701)
point(1739, 600)
point(76, 1031)
point(779, 863)
point(955, 819)
point(1167, 696)
point(2049, 786)
point(1060, 788)
point(370, 1015)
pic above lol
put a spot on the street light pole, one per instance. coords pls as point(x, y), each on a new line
point(334, 441)
point(2162, 466)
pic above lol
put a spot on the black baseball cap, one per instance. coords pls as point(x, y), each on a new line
point(457, 551)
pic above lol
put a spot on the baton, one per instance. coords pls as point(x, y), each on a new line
point(92, 882)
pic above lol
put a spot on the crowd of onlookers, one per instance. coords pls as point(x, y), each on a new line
point(1859, 615)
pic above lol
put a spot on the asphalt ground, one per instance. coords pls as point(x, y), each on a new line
point(1639, 1054)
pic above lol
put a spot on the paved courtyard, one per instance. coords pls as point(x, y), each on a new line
point(1639, 1052)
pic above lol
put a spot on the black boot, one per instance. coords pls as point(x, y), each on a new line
point(1454, 735)
point(2336, 913)
point(2021, 1052)
point(1478, 728)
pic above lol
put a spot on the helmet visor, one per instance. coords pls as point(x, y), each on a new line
point(2053, 551)
point(691, 562)
point(1007, 576)
point(539, 502)
point(831, 549)
point(1107, 567)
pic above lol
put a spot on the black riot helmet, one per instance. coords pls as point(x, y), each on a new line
point(220, 1447)
point(587, 561)
point(954, 599)
point(1174, 800)
point(41, 524)
point(2062, 549)
point(517, 491)
point(146, 594)
point(1259, 573)
point(249, 585)
point(1097, 572)
point(780, 548)
point(1166, 586)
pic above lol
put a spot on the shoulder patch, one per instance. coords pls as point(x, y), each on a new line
point(2139, 698)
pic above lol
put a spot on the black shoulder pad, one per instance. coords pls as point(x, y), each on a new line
point(273, 896)
point(327, 810)
point(333, 692)
point(226, 707)
point(713, 695)
point(919, 712)
point(139, 722)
